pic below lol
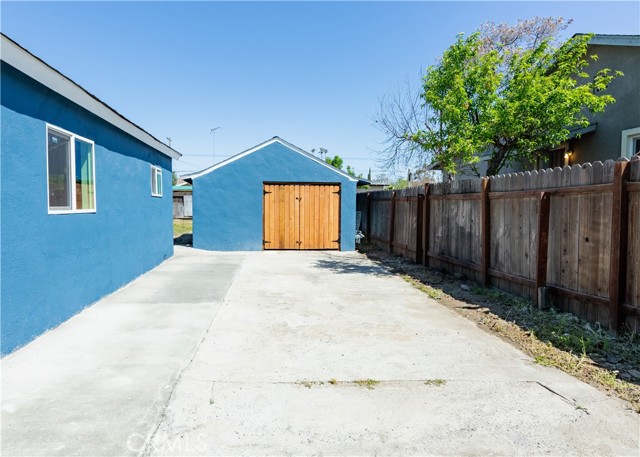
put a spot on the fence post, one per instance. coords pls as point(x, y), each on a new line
point(619, 227)
point(426, 226)
point(368, 217)
point(419, 222)
point(485, 237)
point(542, 250)
point(392, 221)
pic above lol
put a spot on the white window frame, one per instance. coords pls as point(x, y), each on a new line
point(628, 136)
point(72, 159)
point(157, 174)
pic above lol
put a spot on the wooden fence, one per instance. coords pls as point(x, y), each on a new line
point(564, 237)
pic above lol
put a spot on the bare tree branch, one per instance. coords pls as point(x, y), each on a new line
point(401, 116)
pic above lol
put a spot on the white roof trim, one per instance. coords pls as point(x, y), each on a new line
point(275, 139)
point(613, 40)
point(21, 59)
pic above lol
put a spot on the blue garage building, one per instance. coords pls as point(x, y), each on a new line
point(86, 203)
point(273, 196)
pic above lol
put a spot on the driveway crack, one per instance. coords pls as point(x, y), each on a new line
point(148, 444)
point(573, 403)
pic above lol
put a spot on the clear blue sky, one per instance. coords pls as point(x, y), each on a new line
point(309, 72)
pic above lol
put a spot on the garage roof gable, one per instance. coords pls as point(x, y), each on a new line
point(275, 139)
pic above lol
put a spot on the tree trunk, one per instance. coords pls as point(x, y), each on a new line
point(497, 160)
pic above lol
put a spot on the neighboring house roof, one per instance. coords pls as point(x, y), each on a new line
point(573, 133)
point(34, 67)
point(613, 40)
point(183, 188)
point(582, 130)
point(275, 139)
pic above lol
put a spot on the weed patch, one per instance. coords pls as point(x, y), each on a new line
point(368, 383)
point(432, 292)
point(551, 338)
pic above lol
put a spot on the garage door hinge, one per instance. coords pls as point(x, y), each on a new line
point(336, 241)
point(265, 242)
point(337, 192)
point(265, 192)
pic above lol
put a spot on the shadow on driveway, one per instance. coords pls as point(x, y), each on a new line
point(350, 266)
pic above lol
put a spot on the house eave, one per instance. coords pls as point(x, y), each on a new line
point(583, 130)
point(34, 67)
point(613, 40)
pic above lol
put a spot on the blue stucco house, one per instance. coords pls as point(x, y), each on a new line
point(273, 196)
point(86, 202)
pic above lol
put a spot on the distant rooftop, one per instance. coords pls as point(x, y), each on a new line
point(184, 188)
point(613, 40)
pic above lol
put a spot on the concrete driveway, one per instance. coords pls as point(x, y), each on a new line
point(291, 353)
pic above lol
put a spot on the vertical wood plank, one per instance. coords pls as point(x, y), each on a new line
point(275, 217)
point(633, 246)
point(426, 225)
point(322, 202)
point(337, 235)
point(297, 219)
point(316, 216)
point(419, 230)
point(303, 218)
point(392, 221)
point(485, 232)
point(542, 248)
point(368, 217)
point(281, 230)
point(588, 247)
point(619, 226)
point(265, 216)
point(308, 224)
point(293, 203)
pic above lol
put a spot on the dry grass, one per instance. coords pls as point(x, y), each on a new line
point(182, 226)
point(368, 383)
point(555, 339)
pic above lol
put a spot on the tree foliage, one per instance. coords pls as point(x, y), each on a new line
point(336, 161)
point(505, 92)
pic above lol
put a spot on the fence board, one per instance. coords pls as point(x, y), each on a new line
point(578, 248)
point(632, 296)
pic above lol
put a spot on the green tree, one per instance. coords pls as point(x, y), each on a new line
point(336, 161)
point(505, 93)
point(174, 178)
point(400, 183)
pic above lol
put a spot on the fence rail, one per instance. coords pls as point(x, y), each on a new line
point(565, 237)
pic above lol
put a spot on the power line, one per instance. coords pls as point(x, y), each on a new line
point(227, 156)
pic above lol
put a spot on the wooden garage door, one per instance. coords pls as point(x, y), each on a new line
point(301, 216)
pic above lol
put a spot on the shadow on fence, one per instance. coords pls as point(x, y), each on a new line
point(564, 237)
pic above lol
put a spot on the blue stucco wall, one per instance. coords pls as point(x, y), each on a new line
point(55, 265)
point(227, 202)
